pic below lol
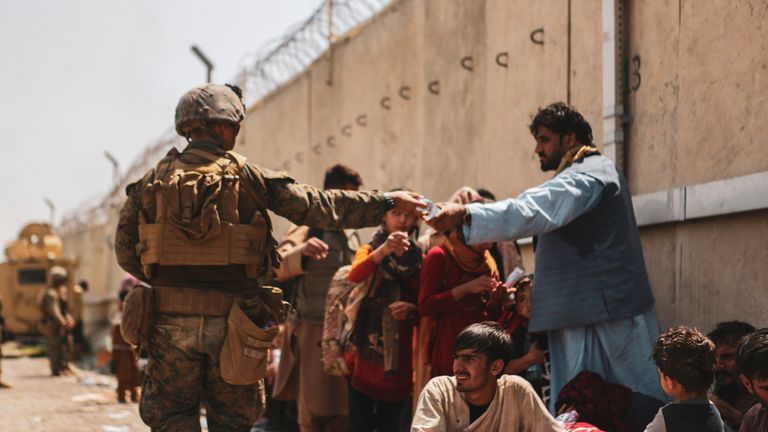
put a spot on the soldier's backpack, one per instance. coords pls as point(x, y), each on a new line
point(190, 216)
point(341, 305)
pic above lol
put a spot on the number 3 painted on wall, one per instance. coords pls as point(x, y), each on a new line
point(636, 73)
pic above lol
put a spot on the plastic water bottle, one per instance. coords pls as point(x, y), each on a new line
point(568, 419)
point(514, 276)
point(432, 209)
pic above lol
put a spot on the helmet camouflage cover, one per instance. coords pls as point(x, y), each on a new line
point(208, 102)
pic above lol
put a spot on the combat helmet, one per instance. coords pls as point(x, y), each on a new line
point(58, 275)
point(209, 102)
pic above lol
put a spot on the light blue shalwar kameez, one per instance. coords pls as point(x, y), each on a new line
point(591, 293)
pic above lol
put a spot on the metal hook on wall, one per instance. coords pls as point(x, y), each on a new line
point(502, 59)
point(346, 130)
point(386, 103)
point(316, 148)
point(468, 63)
point(405, 92)
point(434, 87)
point(331, 141)
point(299, 157)
point(540, 39)
point(362, 120)
point(287, 165)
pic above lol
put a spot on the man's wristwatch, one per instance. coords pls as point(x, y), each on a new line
point(389, 202)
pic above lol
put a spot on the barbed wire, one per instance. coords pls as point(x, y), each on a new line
point(263, 71)
point(278, 61)
point(97, 211)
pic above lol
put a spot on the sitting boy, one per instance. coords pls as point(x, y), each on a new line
point(478, 397)
point(685, 359)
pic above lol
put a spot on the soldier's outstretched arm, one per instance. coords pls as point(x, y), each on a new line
point(127, 234)
point(331, 209)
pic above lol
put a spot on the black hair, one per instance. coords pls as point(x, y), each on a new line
point(524, 282)
point(83, 284)
point(486, 337)
point(752, 356)
point(485, 193)
point(687, 356)
point(563, 119)
point(339, 175)
point(730, 333)
point(414, 232)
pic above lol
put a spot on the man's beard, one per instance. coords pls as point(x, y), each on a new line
point(549, 165)
point(727, 390)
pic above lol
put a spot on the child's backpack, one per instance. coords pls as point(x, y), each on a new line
point(341, 305)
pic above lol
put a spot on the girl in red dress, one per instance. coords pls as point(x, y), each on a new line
point(455, 291)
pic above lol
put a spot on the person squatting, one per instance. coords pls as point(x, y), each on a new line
point(436, 332)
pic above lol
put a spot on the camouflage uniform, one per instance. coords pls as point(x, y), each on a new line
point(55, 329)
point(183, 368)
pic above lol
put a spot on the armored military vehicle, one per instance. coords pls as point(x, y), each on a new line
point(24, 276)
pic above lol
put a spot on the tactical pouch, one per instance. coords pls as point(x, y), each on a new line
point(138, 310)
point(273, 298)
point(243, 358)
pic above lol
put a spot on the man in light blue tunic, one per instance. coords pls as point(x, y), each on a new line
point(592, 293)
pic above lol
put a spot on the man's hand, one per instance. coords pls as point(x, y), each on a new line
point(450, 216)
point(402, 310)
point(407, 202)
point(315, 249)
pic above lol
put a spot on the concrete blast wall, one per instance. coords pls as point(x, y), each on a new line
point(696, 99)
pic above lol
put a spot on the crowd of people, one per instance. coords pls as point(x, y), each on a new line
point(463, 311)
point(436, 332)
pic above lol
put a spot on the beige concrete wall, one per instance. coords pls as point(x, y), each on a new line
point(709, 270)
point(700, 112)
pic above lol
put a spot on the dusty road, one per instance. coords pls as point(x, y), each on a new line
point(39, 402)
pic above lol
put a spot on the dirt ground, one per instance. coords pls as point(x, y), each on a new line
point(37, 401)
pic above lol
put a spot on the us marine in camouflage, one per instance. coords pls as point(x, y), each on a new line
point(196, 228)
point(57, 321)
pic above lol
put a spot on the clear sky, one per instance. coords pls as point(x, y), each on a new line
point(80, 77)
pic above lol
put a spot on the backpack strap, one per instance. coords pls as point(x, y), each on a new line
point(209, 156)
point(164, 165)
point(259, 197)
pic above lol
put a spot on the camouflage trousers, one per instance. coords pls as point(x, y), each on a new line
point(183, 373)
point(57, 344)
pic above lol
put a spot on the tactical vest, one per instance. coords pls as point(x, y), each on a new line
point(190, 216)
